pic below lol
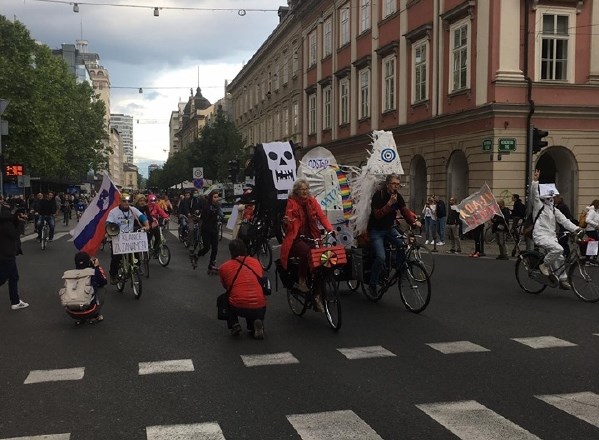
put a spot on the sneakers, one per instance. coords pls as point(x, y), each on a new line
point(591, 263)
point(565, 285)
point(318, 306)
point(440, 243)
point(475, 255)
point(427, 242)
point(236, 329)
point(98, 318)
point(21, 305)
point(258, 329)
point(544, 269)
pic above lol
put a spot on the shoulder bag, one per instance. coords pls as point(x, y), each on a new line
point(222, 301)
point(262, 280)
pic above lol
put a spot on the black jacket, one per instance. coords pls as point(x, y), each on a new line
point(9, 236)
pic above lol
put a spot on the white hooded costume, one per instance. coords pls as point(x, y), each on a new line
point(544, 232)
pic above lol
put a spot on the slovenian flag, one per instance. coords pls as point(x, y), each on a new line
point(90, 231)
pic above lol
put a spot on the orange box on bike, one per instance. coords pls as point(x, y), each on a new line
point(330, 256)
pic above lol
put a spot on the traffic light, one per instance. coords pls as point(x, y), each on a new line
point(537, 140)
point(233, 170)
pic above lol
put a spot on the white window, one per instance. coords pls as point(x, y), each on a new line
point(326, 107)
point(285, 72)
point(389, 7)
point(364, 93)
point(389, 83)
point(294, 63)
point(344, 25)
point(460, 47)
point(312, 49)
point(327, 38)
point(286, 122)
point(556, 46)
point(277, 125)
point(344, 101)
point(295, 116)
point(364, 15)
point(275, 77)
point(419, 74)
point(312, 113)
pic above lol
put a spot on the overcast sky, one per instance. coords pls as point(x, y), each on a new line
point(165, 52)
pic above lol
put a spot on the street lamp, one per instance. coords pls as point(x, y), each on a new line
point(3, 105)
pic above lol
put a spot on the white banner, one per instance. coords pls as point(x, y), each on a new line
point(129, 242)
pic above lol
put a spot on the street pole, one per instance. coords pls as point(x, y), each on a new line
point(3, 105)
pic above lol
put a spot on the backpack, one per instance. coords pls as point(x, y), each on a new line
point(78, 291)
point(529, 223)
point(582, 219)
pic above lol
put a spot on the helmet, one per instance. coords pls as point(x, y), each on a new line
point(125, 197)
point(151, 198)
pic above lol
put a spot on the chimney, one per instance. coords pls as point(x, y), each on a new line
point(283, 11)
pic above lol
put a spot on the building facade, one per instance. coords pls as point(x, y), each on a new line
point(115, 161)
point(124, 125)
point(193, 118)
point(130, 175)
point(453, 80)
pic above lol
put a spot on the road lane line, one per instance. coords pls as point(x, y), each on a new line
point(544, 342)
point(38, 376)
point(175, 366)
point(469, 420)
point(584, 406)
point(334, 425)
point(194, 431)
point(256, 360)
point(42, 437)
point(374, 351)
point(457, 347)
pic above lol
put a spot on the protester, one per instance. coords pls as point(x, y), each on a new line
point(430, 220)
point(500, 227)
point(9, 238)
point(441, 213)
point(453, 226)
point(98, 280)
point(478, 235)
point(246, 298)
point(592, 225)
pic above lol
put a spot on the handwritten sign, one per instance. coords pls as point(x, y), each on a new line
point(318, 163)
point(478, 208)
point(129, 242)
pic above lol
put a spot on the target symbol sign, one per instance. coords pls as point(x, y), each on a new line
point(388, 155)
point(198, 172)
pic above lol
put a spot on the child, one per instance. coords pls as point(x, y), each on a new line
point(98, 280)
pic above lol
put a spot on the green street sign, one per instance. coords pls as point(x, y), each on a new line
point(507, 145)
point(487, 145)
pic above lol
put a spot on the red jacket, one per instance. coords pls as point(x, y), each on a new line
point(247, 291)
point(295, 217)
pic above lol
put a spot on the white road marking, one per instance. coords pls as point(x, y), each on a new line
point(375, 351)
point(596, 334)
point(256, 360)
point(37, 376)
point(457, 347)
point(42, 437)
point(334, 425)
point(175, 366)
point(195, 431)
point(544, 342)
point(584, 406)
point(175, 232)
point(469, 420)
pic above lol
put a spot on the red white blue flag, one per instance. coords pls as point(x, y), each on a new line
point(89, 232)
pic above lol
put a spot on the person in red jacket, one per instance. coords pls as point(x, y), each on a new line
point(302, 217)
point(157, 214)
point(246, 298)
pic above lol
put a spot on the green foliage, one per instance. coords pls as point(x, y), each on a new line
point(56, 126)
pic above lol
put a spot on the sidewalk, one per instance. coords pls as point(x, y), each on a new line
point(491, 250)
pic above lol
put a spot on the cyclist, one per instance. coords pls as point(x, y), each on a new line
point(80, 207)
point(46, 210)
point(544, 233)
point(125, 217)
point(155, 215)
point(211, 214)
point(190, 205)
point(165, 204)
point(384, 206)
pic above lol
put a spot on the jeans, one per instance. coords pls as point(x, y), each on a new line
point(454, 237)
point(430, 228)
point(210, 242)
point(250, 316)
point(377, 243)
point(500, 237)
point(9, 272)
point(182, 224)
point(441, 221)
point(40, 222)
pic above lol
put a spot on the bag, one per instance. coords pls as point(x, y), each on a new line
point(78, 291)
point(529, 224)
point(222, 306)
point(582, 219)
point(262, 280)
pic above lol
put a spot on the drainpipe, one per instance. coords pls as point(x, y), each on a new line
point(531, 103)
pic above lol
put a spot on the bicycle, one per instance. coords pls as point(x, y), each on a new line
point(325, 261)
point(45, 234)
point(258, 243)
point(582, 277)
point(129, 270)
point(418, 252)
point(412, 278)
point(220, 230)
point(164, 253)
point(183, 232)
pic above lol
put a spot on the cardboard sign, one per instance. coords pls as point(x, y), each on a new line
point(129, 242)
point(478, 208)
point(592, 248)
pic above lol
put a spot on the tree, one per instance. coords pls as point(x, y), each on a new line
point(56, 125)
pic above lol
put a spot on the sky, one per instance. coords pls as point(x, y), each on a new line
point(164, 55)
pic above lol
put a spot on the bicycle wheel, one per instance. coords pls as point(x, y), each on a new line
point(136, 282)
point(372, 296)
point(45, 233)
point(424, 256)
point(145, 261)
point(220, 231)
point(164, 255)
point(527, 273)
point(298, 301)
point(332, 302)
point(120, 284)
point(585, 281)
point(264, 254)
point(353, 285)
point(414, 287)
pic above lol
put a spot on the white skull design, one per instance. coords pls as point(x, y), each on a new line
point(281, 163)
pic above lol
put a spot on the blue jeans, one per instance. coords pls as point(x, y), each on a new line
point(377, 243)
point(441, 221)
point(430, 228)
point(40, 223)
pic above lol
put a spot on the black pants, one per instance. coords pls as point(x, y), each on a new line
point(210, 243)
point(250, 316)
point(10, 273)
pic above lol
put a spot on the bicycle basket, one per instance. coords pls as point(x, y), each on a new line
point(330, 256)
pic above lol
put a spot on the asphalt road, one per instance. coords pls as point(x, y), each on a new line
point(207, 386)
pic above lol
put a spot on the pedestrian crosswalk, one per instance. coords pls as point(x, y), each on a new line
point(465, 419)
